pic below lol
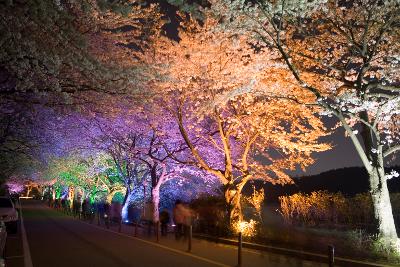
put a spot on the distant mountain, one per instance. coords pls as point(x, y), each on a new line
point(349, 181)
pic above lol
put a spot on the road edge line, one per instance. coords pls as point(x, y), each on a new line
point(25, 244)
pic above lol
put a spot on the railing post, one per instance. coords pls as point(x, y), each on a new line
point(157, 226)
point(190, 238)
point(331, 255)
point(240, 249)
point(136, 225)
point(107, 221)
point(92, 216)
point(149, 228)
point(120, 226)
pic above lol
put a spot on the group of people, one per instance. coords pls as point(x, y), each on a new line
point(182, 215)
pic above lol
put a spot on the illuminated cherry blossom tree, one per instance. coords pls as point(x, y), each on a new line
point(144, 146)
point(85, 46)
point(232, 135)
point(15, 185)
point(345, 54)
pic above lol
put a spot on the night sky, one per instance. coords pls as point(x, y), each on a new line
point(343, 154)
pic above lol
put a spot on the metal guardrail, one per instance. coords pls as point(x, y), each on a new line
point(329, 258)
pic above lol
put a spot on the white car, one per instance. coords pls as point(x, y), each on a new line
point(8, 214)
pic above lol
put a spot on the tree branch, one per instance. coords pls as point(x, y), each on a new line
point(391, 150)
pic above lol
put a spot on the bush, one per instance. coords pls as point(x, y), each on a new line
point(322, 207)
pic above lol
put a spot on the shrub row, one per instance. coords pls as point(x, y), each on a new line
point(323, 207)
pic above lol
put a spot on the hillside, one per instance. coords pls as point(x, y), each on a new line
point(349, 181)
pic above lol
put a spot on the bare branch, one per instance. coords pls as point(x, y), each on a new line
point(391, 150)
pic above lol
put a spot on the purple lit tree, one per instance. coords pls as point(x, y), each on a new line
point(145, 147)
point(15, 185)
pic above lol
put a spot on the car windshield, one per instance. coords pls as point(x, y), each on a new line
point(5, 203)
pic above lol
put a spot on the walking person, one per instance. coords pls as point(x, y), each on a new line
point(179, 219)
point(164, 220)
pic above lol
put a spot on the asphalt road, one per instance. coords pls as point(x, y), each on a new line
point(56, 240)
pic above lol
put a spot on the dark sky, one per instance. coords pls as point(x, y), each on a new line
point(343, 154)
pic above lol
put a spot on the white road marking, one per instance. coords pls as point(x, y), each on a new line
point(25, 244)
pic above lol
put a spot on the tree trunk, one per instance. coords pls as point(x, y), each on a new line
point(125, 207)
point(83, 197)
point(233, 195)
point(374, 164)
point(125, 204)
point(71, 194)
point(156, 182)
point(28, 191)
point(127, 194)
point(155, 198)
point(382, 206)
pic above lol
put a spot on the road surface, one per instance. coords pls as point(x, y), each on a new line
point(55, 239)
